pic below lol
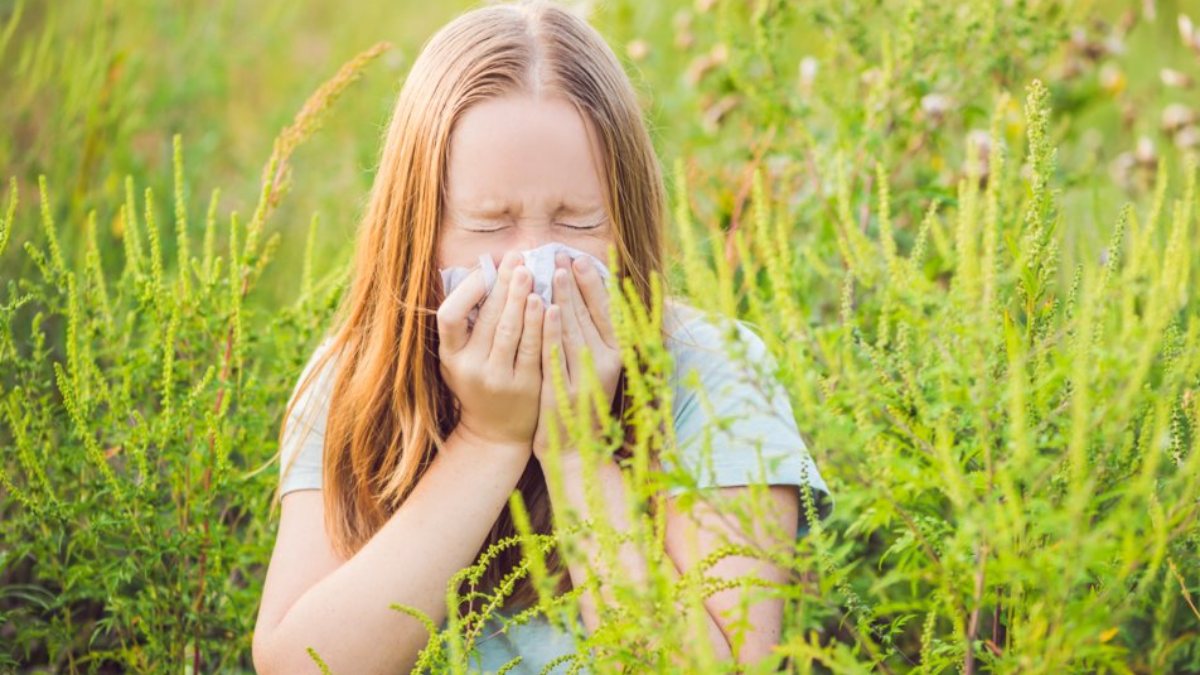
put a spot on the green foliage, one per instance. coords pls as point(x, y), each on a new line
point(989, 342)
point(139, 426)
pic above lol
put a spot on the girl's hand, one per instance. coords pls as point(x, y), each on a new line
point(578, 319)
point(495, 369)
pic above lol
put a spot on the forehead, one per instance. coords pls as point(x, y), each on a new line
point(524, 153)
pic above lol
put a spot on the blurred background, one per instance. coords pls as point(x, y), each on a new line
point(94, 91)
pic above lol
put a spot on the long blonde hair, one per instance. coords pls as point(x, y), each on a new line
point(389, 410)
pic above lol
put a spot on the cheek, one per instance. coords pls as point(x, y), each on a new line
point(595, 245)
point(460, 249)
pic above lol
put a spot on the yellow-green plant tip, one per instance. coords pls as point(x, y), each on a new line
point(181, 223)
point(312, 653)
point(6, 223)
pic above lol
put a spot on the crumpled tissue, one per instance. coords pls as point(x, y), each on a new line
point(539, 261)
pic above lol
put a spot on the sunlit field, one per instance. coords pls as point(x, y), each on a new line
point(967, 232)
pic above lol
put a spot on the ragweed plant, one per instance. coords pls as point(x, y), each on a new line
point(137, 418)
point(1018, 446)
point(990, 344)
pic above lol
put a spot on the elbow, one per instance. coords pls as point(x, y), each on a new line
point(271, 656)
point(261, 654)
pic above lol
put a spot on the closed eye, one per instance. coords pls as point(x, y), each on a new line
point(566, 225)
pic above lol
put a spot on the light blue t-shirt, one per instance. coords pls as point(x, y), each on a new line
point(755, 410)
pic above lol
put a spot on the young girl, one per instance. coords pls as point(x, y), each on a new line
point(415, 420)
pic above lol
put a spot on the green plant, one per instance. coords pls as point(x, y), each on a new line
point(140, 418)
point(989, 343)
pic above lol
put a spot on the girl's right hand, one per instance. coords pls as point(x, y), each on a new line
point(494, 369)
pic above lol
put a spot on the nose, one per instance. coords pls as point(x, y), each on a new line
point(525, 237)
point(531, 235)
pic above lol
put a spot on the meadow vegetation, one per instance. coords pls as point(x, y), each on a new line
point(967, 233)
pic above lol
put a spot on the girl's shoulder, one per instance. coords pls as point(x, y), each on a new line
point(322, 381)
point(690, 333)
point(313, 389)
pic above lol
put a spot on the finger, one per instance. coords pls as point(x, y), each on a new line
point(595, 296)
point(583, 318)
point(572, 333)
point(553, 360)
point(529, 352)
point(551, 336)
point(489, 314)
point(452, 313)
point(503, 353)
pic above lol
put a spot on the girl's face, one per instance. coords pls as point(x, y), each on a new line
point(522, 172)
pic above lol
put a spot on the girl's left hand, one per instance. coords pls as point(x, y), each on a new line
point(578, 319)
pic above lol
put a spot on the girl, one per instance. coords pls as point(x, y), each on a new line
point(412, 424)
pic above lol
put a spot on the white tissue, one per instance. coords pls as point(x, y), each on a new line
point(539, 261)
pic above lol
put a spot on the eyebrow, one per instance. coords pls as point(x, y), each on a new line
point(497, 210)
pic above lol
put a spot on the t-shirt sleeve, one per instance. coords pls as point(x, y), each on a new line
point(302, 447)
point(733, 421)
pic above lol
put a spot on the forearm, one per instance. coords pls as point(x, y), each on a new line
point(435, 533)
point(629, 560)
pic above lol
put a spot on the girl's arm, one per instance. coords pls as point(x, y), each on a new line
point(630, 561)
point(689, 538)
point(339, 607)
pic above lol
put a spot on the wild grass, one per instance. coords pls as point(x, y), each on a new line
point(964, 231)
